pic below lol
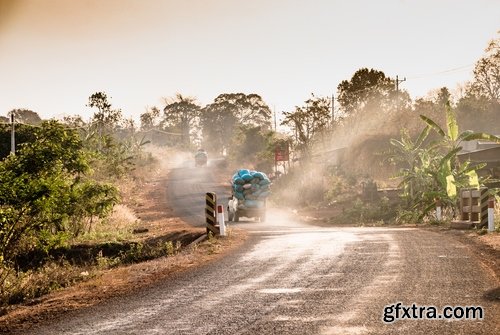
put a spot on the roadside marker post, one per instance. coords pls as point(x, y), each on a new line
point(438, 210)
point(211, 219)
point(491, 215)
point(220, 220)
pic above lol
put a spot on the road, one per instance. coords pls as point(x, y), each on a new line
point(292, 278)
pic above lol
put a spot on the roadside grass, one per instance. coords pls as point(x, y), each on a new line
point(85, 262)
point(22, 286)
point(117, 227)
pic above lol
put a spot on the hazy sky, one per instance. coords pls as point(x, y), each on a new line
point(55, 53)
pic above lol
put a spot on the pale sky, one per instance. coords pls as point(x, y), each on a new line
point(55, 53)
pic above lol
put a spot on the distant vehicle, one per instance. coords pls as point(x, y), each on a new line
point(201, 158)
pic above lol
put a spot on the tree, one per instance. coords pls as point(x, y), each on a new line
point(150, 118)
point(367, 90)
point(479, 108)
point(218, 127)
point(478, 113)
point(181, 112)
point(450, 173)
point(309, 120)
point(42, 187)
point(74, 121)
point(220, 118)
point(432, 170)
point(105, 121)
point(24, 133)
point(432, 107)
point(105, 115)
point(26, 116)
point(487, 73)
point(451, 139)
point(247, 109)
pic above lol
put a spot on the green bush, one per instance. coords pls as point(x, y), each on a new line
point(43, 192)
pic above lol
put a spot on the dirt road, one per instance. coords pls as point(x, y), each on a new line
point(292, 278)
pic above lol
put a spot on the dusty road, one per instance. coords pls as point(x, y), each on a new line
point(292, 278)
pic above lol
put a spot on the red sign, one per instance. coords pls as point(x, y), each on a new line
point(281, 153)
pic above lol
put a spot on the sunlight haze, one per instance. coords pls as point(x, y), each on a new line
point(54, 54)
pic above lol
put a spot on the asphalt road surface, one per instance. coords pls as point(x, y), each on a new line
point(291, 278)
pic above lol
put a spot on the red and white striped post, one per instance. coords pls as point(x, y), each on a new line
point(220, 220)
point(491, 215)
point(439, 213)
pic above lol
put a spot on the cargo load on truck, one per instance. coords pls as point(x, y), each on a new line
point(250, 190)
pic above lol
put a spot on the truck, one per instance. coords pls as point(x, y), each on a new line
point(200, 158)
point(236, 209)
point(249, 192)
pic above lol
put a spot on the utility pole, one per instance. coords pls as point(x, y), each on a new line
point(333, 108)
point(397, 91)
point(274, 113)
point(12, 135)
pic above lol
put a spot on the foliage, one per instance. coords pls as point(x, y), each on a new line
point(431, 171)
point(23, 134)
point(479, 107)
point(90, 201)
point(26, 116)
point(104, 121)
point(181, 113)
point(220, 119)
point(368, 90)
point(254, 145)
point(16, 287)
point(41, 187)
point(112, 141)
point(486, 81)
point(309, 121)
point(105, 116)
point(150, 118)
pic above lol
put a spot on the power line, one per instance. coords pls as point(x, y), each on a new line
point(397, 91)
point(453, 70)
point(161, 131)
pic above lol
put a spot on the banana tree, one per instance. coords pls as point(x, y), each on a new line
point(451, 142)
point(411, 155)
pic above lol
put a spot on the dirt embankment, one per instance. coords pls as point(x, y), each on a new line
point(156, 224)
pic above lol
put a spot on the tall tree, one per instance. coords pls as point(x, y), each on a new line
point(432, 107)
point(220, 118)
point(27, 116)
point(150, 118)
point(107, 117)
point(248, 109)
point(487, 73)
point(479, 108)
point(105, 120)
point(181, 112)
point(367, 89)
point(309, 120)
point(218, 127)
